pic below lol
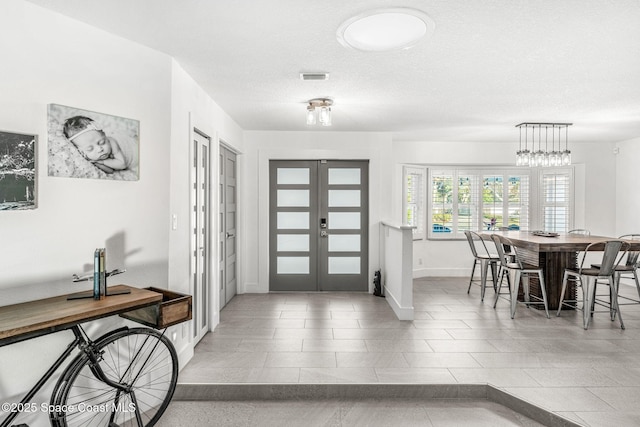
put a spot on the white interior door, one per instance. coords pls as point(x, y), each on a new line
point(228, 225)
point(201, 237)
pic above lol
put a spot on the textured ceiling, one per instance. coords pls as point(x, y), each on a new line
point(489, 65)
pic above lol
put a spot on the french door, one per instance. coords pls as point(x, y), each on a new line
point(318, 225)
point(201, 239)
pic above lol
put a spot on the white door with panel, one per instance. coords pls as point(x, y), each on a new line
point(318, 224)
point(228, 225)
point(201, 237)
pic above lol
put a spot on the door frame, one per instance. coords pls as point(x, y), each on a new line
point(197, 333)
point(315, 206)
point(221, 242)
point(381, 182)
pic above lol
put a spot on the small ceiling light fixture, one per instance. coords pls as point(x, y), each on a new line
point(382, 30)
point(551, 132)
point(319, 110)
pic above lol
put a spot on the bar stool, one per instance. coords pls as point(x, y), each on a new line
point(521, 271)
point(613, 252)
point(627, 270)
point(581, 231)
point(485, 259)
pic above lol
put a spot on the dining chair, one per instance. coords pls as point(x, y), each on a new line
point(521, 272)
point(628, 269)
point(586, 277)
point(482, 256)
point(581, 231)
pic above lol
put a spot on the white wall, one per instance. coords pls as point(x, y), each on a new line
point(593, 177)
point(49, 58)
point(260, 147)
point(627, 187)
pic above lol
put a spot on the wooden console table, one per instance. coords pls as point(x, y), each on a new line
point(19, 322)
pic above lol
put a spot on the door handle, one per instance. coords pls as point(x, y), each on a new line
point(230, 235)
point(323, 233)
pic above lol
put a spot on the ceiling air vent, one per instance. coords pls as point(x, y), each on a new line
point(314, 76)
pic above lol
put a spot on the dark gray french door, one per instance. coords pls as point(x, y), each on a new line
point(318, 225)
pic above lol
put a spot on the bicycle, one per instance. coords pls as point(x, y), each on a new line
point(126, 377)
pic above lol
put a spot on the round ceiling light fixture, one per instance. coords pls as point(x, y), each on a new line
point(382, 30)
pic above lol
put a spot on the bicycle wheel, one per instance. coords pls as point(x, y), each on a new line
point(140, 358)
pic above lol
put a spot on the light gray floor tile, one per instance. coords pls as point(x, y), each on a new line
point(333, 345)
point(241, 375)
point(508, 360)
point(441, 360)
point(620, 398)
point(301, 360)
point(440, 324)
point(262, 345)
point(371, 360)
point(461, 346)
point(337, 375)
point(563, 377)
point(331, 323)
point(501, 377)
point(415, 375)
point(319, 334)
point(397, 346)
point(316, 314)
point(606, 419)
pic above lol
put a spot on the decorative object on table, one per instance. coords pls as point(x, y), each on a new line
point(99, 277)
point(545, 136)
point(17, 171)
point(87, 144)
point(544, 233)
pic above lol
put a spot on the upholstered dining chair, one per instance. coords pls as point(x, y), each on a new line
point(482, 256)
point(521, 272)
point(586, 277)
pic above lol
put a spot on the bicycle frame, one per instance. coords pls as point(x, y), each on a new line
point(85, 345)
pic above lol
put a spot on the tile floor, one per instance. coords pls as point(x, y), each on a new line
point(591, 377)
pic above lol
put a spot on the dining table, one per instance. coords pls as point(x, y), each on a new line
point(554, 252)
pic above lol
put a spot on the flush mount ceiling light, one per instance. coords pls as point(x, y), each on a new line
point(383, 30)
point(319, 111)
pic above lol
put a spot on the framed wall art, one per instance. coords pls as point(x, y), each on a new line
point(87, 144)
point(17, 171)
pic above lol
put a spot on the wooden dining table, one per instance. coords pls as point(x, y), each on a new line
point(553, 254)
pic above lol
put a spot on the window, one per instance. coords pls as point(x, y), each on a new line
point(414, 200)
point(556, 203)
point(442, 203)
point(477, 199)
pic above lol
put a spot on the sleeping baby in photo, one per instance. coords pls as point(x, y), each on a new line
point(105, 152)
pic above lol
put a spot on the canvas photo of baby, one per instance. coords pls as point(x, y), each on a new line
point(86, 144)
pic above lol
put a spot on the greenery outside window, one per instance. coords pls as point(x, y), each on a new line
point(476, 200)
